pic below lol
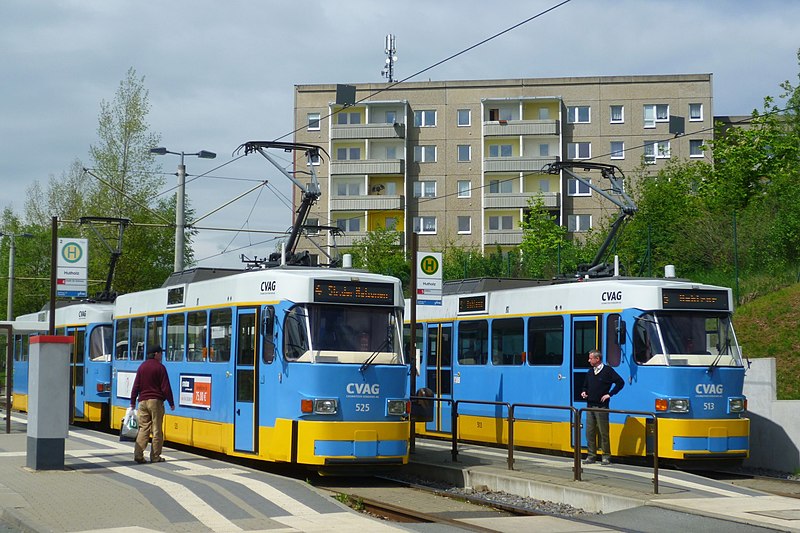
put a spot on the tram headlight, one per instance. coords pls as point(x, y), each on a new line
point(672, 405)
point(737, 405)
point(320, 406)
point(397, 407)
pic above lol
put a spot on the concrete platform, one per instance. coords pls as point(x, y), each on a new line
point(623, 494)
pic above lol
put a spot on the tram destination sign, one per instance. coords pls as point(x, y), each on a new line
point(355, 292)
point(695, 299)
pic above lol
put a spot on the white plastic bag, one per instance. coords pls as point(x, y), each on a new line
point(130, 426)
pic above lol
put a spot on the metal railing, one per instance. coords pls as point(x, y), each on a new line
point(576, 415)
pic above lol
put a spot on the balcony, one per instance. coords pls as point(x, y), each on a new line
point(368, 131)
point(349, 238)
point(368, 166)
point(373, 202)
point(503, 238)
point(516, 164)
point(500, 128)
point(519, 200)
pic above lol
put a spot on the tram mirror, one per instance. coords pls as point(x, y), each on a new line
point(622, 332)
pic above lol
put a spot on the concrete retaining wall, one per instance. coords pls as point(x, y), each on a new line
point(774, 424)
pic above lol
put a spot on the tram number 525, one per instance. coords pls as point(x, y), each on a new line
point(708, 406)
point(362, 407)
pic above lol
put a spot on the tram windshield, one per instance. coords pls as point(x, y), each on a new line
point(685, 339)
point(323, 333)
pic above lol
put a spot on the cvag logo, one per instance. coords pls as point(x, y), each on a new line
point(269, 286)
point(363, 388)
point(611, 296)
point(708, 389)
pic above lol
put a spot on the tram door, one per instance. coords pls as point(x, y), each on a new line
point(585, 337)
point(439, 374)
point(77, 391)
point(246, 411)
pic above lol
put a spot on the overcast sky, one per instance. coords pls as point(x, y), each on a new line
point(222, 73)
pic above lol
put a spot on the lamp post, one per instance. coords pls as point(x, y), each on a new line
point(180, 207)
point(11, 253)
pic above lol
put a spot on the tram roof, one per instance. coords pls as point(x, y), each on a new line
point(199, 274)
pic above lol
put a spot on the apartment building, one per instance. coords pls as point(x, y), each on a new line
point(458, 161)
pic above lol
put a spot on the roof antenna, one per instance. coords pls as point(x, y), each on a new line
point(391, 57)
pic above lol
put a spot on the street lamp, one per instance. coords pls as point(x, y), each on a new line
point(180, 208)
point(11, 252)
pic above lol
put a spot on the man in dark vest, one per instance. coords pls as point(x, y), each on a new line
point(602, 382)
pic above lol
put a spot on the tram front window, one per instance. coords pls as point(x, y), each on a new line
point(352, 333)
point(686, 339)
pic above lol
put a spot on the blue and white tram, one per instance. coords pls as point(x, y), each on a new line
point(523, 341)
point(289, 364)
point(90, 326)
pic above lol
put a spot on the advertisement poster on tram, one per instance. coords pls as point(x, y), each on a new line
point(195, 391)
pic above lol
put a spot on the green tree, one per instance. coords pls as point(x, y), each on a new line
point(545, 250)
point(381, 252)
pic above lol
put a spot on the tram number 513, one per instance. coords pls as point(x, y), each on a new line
point(708, 406)
point(362, 407)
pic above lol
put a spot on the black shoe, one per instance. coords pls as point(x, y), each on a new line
point(606, 461)
point(590, 460)
point(159, 460)
point(140, 461)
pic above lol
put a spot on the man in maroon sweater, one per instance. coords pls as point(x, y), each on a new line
point(152, 388)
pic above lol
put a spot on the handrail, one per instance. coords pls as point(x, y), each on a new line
point(626, 412)
point(575, 423)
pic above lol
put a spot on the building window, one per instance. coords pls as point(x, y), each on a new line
point(501, 186)
point(695, 112)
point(656, 150)
point(696, 148)
point(391, 152)
point(617, 150)
point(349, 224)
point(348, 118)
point(500, 114)
point(391, 117)
point(313, 122)
point(312, 226)
point(348, 188)
point(655, 113)
point(391, 223)
point(577, 188)
point(425, 119)
point(544, 113)
point(577, 223)
point(464, 188)
point(500, 150)
point(464, 225)
point(425, 225)
point(315, 160)
point(544, 185)
point(501, 223)
point(578, 114)
point(464, 153)
point(617, 114)
point(425, 154)
point(464, 117)
point(544, 150)
point(352, 153)
point(579, 150)
point(424, 189)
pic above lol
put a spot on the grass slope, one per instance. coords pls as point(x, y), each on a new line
point(768, 327)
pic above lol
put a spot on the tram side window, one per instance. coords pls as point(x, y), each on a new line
point(268, 335)
point(137, 338)
point(100, 341)
point(473, 342)
point(508, 343)
point(645, 338)
point(295, 340)
point(613, 349)
point(123, 339)
point(196, 336)
point(246, 340)
point(221, 331)
point(79, 352)
point(545, 340)
point(155, 331)
point(21, 347)
point(176, 336)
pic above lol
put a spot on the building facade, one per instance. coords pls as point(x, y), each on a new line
point(458, 161)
